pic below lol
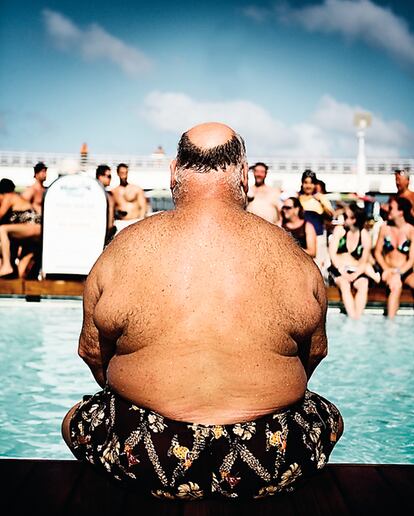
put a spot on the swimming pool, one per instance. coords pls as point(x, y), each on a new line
point(369, 374)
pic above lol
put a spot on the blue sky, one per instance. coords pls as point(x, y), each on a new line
point(288, 76)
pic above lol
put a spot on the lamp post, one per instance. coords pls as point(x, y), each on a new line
point(361, 121)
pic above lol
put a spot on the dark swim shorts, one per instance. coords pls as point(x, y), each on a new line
point(177, 460)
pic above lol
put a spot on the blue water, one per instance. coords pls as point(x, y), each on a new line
point(368, 374)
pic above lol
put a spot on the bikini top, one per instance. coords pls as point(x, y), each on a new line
point(342, 247)
point(403, 248)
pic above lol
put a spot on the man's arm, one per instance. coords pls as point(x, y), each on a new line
point(142, 201)
point(94, 349)
point(28, 194)
point(311, 242)
point(315, 349)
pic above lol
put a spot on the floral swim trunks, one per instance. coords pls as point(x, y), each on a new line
point(177, 460)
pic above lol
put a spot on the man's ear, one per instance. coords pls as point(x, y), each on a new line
point(245, 178)
point(173, 173)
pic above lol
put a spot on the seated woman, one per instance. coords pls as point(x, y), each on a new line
point(316, 210)
point(349, 251)
point(294, 223)
point(394, 252)
point(18, 220)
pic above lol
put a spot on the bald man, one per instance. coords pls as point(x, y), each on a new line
point(202, 351)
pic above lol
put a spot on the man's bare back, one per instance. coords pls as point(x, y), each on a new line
point(203, 325)
point(213, 333)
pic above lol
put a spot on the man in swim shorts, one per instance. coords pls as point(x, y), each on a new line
point(203, 325)
point(130, 201)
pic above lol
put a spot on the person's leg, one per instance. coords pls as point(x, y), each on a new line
point(409, 280)
point(393, 301)
point(6, 266)
point(23, 264)
point(17, 231)
point(347, 298)
point(361, 296)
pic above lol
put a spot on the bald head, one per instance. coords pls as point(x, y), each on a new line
point(210, 146)
point(209, 135)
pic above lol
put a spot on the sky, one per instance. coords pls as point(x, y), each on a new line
point(288, 76)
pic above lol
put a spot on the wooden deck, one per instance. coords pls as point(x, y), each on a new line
point(69, 487)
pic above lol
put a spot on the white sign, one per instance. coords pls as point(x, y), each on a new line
point(74, 225)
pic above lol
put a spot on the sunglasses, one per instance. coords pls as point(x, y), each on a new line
point(287, 207)
point(108, 175)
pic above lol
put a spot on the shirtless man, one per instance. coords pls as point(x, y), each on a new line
point(402, 182)
point(202, 345)
point(264, 200)
point(104, 176)
point(130, 201)
point(34, 193)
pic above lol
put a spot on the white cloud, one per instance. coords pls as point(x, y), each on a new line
point(356, 19)
point(258, 14)
point(95, 43)
point(328, 132)
point(384, 137)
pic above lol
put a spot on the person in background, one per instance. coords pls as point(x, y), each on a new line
point(402, 183)
point(394, 251)
point(349, 251)
point(19, 221)
point(35, 193)
point(264, 200)
point(316, 209)
point(320, 187)
point(104, 176)
point(130, 201)
point(293, 222)
point(204, 345)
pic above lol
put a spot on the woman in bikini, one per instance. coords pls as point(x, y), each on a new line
point(394, 252)
point(294, 223)
point(349, 251)
point(18, 220)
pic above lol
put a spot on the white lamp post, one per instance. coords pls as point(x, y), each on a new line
point(361, 121)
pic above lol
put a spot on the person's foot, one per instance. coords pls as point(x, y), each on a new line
point(6, 272)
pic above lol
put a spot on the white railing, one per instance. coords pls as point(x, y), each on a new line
point(155, 162)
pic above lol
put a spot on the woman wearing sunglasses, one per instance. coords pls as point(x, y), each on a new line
point(294, 223)
point(350, 251)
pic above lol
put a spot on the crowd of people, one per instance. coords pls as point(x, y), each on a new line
point(347, 246)
point(341, 239)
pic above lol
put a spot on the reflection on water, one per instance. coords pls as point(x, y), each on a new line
point(368, 374)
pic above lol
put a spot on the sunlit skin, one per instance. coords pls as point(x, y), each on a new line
point(394, 263)
point(350, 267)
point(35, 193)
point(14, 202)
point(291, 220)
point(310, 191)
point(264, 199)
point(130, 201)
point(199, 326)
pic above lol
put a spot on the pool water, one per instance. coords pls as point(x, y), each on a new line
point(368, 374)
